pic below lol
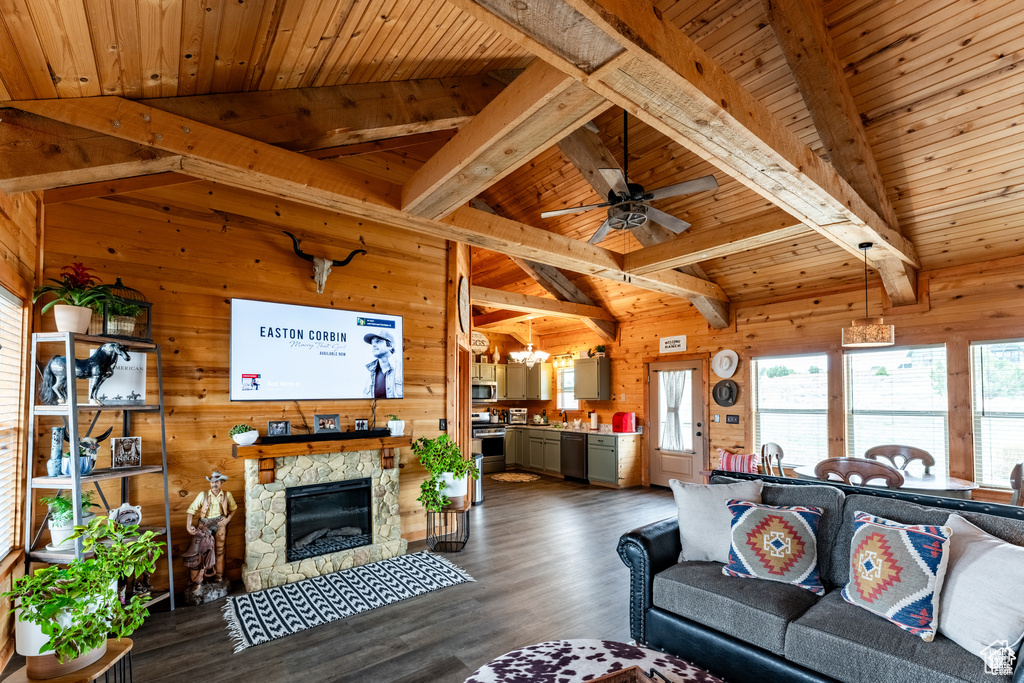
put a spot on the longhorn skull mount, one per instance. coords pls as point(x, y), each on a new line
point(321, 266)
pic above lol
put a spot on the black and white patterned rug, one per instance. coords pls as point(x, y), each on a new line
point(257, 618)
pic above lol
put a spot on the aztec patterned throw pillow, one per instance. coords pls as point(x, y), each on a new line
point(896, 572)
point(735, 462)
point(775, 543)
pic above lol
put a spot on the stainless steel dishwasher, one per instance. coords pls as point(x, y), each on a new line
point(574, 456)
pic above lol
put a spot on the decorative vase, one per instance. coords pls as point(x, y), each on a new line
point(496, 356)
point(246, 438)
point(397, 427)
point(85, 464)
point(72, 318)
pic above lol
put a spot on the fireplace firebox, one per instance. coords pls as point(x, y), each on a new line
point(327, 518)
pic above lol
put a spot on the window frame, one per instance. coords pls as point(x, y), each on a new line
point(755, 412)
point(19, 410)
point(559, 391)
point(977, 391)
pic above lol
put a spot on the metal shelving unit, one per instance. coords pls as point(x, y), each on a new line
point(71, 412)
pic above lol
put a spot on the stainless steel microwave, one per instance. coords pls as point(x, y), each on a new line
point(485, 392)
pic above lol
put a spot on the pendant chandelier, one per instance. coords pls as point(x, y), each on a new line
point(866, 332)
point(529, 356)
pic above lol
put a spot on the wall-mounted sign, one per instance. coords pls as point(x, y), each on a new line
point(675, 344)
point(478, 342)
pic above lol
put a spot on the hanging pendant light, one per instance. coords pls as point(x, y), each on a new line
point(867, 332)
point(529, 356)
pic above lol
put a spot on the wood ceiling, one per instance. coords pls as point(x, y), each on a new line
point(936, 85)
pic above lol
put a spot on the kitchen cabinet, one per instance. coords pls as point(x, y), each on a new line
point(593, 379)
point(515, 382)
point(528, 384)
point(553, 452)
point(484, 372)
point(537, 443)
point(511, 446)
point(499, 374)
point(613, 460)
point(543, 450)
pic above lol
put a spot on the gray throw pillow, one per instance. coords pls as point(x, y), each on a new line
point(982, 600)
point(705, 523)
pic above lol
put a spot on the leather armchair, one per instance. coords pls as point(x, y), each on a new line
point(646, 551)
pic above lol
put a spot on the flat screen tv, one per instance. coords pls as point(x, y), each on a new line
point(281, 352)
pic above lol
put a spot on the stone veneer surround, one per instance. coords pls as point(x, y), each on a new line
point(265, 533)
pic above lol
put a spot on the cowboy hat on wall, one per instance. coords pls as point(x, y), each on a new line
point(724, 363)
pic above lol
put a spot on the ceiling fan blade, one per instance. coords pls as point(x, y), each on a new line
point(707, 182)
point(575, 209)
point(615, 178)
point(602, 232)
point(671, 222)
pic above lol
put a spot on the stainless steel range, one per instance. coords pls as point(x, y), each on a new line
point(489, 439)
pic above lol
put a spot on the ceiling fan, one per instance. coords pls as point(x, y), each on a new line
point(629, 202)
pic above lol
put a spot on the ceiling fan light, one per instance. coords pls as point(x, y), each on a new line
point(868, 332)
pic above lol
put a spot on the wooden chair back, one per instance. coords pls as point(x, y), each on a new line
point(859, 471)
point(901, 456)
point(1016, 476)
point(768, 451)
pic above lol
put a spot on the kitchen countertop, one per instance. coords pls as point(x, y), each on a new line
point(583, 430)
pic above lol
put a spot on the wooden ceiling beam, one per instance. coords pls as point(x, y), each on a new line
point(109, 188)
point(221, 156)
point(589, 154)
point(800, 29)
point(534, 112)
point(492, 318)
point(693, 247)
point(41, 154)
point(642, 62)
point(537, 305)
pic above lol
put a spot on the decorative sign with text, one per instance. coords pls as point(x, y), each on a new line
point(281, 352)
point(675, 344)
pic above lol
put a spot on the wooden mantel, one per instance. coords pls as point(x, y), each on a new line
point(266, 453)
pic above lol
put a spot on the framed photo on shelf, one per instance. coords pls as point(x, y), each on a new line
point(279, 428)
point(324, 424)
point(126, 451)
point(362, 425)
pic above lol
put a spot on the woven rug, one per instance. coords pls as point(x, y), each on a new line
point(256, 618)
point(515, 477)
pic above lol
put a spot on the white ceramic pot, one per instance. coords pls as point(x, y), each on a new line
point(246, 438)
point(72, 318)
point(455, 489)
point(397, 427)
point(60, 533)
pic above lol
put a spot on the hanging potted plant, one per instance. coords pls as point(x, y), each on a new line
point(76, 294)
point(62, 518)
point(243, 435)
point(396, 426)
point(64, 613)
point(448, 470)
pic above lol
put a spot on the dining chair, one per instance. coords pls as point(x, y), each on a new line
point(1016, 476)
point(861, 469)
point(768, 451)
point(901, 456)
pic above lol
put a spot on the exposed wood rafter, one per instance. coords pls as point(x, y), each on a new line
point(645, 64)
point(537, 305)
point(493, 318)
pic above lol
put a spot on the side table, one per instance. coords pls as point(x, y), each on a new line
point(448, 530)
point(115, 667)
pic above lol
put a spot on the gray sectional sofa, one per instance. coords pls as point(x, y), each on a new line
point(761, 631)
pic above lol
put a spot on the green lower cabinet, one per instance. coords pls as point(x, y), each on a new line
point(553, 454)
point(602, 464)
point(511, 447)
point(537, 444)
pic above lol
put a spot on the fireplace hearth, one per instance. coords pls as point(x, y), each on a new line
point(327, 518)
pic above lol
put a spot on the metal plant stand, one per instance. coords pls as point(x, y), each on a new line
point(448, 530)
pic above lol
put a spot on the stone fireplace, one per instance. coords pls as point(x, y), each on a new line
point(345, 543)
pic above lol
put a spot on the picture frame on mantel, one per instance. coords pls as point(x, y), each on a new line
point(327, 424)
point(279, 427)
point(362, 425)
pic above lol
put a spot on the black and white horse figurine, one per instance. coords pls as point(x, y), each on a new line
point(99, 365)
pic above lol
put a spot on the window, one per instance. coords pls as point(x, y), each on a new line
point(12, 312)
point(898, 396)
point(998, 402)
point(791, 406)
point(565, 380)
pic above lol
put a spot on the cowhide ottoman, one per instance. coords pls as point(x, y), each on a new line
point(569, 661)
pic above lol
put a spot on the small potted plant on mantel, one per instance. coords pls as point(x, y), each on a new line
point(396, 426)
point(65, 613)
point(77, 293)
point(448, 482)
point(244, 435)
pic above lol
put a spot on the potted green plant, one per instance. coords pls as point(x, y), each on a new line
point(244, 435)
point(65, 613)
point(76, 294)
point(62, 518)
point(599, 350)
point(396, 426)
point(448, 470)
point(121, 315)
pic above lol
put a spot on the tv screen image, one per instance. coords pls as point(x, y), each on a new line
point(283, 352)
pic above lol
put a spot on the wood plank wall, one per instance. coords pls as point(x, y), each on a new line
point(966, 303)
point(20, 216)
point(189, 249)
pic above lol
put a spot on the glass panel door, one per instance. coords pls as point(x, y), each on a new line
point(678, 443)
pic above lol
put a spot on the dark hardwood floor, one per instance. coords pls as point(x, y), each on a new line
point(543, 556)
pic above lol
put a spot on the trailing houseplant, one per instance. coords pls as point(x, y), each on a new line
point(444, 462)
point(78, 289)
point(62, 516)
point(75, 607)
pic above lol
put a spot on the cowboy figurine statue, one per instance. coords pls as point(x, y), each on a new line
point(205, 555)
